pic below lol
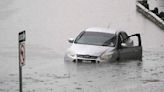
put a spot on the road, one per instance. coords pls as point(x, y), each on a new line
point(49, 23)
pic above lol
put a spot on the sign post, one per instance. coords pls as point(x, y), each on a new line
point(21, 47)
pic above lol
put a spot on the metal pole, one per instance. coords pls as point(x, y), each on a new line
point(20, 72)
point(20, 78)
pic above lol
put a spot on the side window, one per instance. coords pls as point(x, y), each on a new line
point(123, 36)
point(114, 40)
point(125, 41)
point(134, 40)
point(130, 42)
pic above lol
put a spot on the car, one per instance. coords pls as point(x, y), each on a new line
point(98, 45)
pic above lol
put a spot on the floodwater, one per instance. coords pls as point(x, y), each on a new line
point(49, 23)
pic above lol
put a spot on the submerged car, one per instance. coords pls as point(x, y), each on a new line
point(104, 45)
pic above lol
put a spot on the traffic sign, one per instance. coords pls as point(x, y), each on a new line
point(22, 53)
point(22, 38)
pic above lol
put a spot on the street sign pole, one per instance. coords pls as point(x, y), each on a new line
point(20, 78)
point(21, 52)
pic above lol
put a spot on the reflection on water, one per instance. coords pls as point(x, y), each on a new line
point(51, 73)
point(119, 75)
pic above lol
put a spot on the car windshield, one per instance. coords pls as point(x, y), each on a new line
point(96, 38)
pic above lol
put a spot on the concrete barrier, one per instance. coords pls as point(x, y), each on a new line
point(150, 15)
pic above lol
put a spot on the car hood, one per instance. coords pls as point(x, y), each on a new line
point(90, 49)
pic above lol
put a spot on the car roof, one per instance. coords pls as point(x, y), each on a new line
point(101, 29)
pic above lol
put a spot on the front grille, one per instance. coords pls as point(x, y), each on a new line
point(86, 56)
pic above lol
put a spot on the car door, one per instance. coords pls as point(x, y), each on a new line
point(132, 51)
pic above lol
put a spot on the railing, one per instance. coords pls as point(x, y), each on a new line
point(150, 15)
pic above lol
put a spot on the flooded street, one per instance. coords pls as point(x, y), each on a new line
point(49, 24)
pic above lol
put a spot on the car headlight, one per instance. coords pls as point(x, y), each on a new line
point(71, 54)
point(106, 56)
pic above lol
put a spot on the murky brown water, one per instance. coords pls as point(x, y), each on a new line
point(49, 23)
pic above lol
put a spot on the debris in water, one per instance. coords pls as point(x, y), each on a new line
point(151, 80)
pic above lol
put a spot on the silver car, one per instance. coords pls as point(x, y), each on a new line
point(104, 45)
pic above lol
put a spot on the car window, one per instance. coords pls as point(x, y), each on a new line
point(125, 41)
point(123, 36)
point(96, 38)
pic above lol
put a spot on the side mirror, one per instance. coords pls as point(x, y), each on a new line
point(123, 45)
point(70, 40)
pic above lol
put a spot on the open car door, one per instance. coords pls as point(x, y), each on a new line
point(132, 51)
